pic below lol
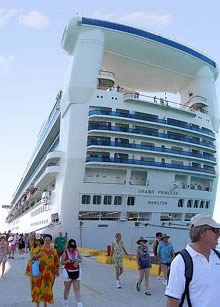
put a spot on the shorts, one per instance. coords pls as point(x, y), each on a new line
point(3, 259)
point(13, 247)
point(66, 276)
point(144, 265)
point(118, 262)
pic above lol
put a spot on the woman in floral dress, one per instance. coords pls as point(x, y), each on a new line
point(117, 252)
point(42, 286)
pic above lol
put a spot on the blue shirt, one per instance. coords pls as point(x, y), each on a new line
point(165, 251)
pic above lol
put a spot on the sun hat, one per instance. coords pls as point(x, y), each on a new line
point(164, 235)
point(202, 219)
point(141, 239)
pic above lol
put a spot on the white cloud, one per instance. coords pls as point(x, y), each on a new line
point(137, 19)
point(5, 64)
point(6, 15)
point(34, 19)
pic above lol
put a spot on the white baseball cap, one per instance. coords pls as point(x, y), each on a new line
point(202, 219)
point(37, 236)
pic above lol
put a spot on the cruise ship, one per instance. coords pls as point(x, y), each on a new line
point(116, 156)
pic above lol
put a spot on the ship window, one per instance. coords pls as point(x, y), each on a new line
point(180, 203)
point(144, 216)
point(132, 216)
point(207, 203)
point(130, 201)
point(55, 218)
point(118, 200)
point(107, 200)
point(96, 199)
point(189, 203)
point(196, 203)
point(202, 204)
point(86, 199)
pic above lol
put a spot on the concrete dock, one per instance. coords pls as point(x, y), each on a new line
point(97, 287)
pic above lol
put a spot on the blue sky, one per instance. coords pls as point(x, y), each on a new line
point(33, 64)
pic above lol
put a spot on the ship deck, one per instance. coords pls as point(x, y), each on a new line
point(97, 287)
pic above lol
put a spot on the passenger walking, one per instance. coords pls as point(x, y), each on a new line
point(12, 246)
point(117, 252)
point(165, 255)
point(21, 245)
point(155, 246)
point(26, 242)
point(3, 254)
point(202, 289)
point(60, 243)
point(71, 259)
point(143, 263)
point(42, 286)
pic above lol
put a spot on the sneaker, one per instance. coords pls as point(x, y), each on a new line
point(138, 287)
point(65, 304)
point(118, 284)
point(147, 292)
point(80, 304)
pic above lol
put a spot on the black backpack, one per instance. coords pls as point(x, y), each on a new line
point(189, 274)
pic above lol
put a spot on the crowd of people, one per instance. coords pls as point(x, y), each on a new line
point(190, 276)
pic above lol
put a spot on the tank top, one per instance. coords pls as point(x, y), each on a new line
point(143, 254)
point(72, 266)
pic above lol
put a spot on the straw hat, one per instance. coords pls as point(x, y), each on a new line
point(141, 239)
point(164, 235)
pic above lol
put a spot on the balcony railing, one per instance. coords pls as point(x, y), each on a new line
point(169, 122)
point(151, 133)
point(151, 148)
point(147, 163)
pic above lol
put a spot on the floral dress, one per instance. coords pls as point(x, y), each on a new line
point(42, 286)
point(118, 253)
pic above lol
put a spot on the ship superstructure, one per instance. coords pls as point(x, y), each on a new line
point(113, 158)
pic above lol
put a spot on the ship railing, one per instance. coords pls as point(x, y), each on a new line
point(169, 122)
point(150, 148)
point(151, 133)
point(160, 101)
point(149, 163)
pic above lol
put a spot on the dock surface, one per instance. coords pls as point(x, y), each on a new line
point(98, 287)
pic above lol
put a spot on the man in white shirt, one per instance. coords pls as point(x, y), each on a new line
point(204, 286)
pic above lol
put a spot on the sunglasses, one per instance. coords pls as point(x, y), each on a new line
point(215, 230)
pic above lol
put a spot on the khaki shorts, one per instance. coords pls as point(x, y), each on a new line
point(3, 259)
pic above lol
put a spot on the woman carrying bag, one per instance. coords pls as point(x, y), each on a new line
point(43, 268)
point(71, 259)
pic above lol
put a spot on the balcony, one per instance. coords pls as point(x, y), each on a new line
point(106, 79)
point(151, 148)
point(47, 177)
point(151, 133)
point(151, 164)
point(169, 122)
point(197, 103)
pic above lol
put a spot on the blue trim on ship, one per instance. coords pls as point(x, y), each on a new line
point(148, 35)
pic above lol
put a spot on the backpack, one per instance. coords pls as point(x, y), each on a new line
point(188, 274)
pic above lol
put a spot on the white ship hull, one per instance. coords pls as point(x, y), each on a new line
point(113, 160)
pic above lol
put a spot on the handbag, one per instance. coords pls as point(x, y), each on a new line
point(35, 268)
